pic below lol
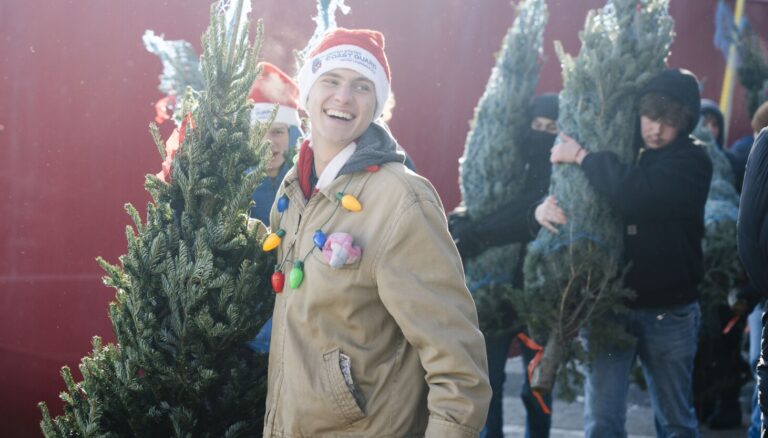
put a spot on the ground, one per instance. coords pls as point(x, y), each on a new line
point(568, 418)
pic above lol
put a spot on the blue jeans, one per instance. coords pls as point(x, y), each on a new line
point(665, 341)
point(537, 423)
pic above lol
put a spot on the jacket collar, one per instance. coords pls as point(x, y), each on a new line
point(355, 182)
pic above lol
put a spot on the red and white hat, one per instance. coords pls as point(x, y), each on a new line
point(274, 87)
point(360, 50)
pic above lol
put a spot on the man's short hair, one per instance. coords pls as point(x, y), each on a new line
point(657, 106)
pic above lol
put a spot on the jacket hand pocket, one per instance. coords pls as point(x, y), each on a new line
point(348, 401)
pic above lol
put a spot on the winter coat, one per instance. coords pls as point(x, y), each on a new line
point(753, 215)
point(661, 199)
point(753, 245)
point(389, 345)
point(264, 195)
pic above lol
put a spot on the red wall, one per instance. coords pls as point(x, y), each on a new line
point(76, 96)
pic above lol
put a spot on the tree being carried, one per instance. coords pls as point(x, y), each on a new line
point(571, 276)
point(493, 167)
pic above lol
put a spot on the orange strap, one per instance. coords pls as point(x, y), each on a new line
point(730, 324)
point(531, 344)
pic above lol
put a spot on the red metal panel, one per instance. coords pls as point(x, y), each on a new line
point(76, 96)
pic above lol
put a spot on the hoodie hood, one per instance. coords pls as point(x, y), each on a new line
point(545, 105)
point(710, 107)
point(375, 147)
point(681, 86)
point(538, 143)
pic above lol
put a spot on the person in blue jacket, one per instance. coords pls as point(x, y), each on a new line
point(273, 87)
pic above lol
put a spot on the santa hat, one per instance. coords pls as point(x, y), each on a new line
point(360, 50)
point(274, 87)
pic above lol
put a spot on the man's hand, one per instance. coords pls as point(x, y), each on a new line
point(567, 151)
point(548, 213)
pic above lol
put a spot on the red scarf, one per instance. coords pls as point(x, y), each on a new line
point(304, 167)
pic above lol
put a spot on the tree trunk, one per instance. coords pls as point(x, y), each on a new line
point(545, 372)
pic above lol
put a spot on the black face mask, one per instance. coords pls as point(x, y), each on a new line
point(539, 142)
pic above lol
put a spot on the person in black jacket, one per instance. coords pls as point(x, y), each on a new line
point(747, 299)
point(511, 223)
point(753, 246)
point(661, 199)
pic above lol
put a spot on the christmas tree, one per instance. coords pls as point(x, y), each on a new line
point(193, 286)
point(722, 267)
point(753, 67)
point(492, 168)
point(571, 277)
point(722, 271)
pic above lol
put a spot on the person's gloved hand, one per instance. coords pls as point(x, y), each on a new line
point(742, 299)
point(464, 234)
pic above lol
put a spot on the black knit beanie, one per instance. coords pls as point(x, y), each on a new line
point(545, 105)
point(681, 86)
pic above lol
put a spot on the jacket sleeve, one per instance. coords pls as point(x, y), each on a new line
point(513, 223)
point(673, 186)
point(753, 215)
point(421, 283)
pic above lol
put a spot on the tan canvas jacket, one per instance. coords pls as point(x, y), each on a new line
point(388, 346)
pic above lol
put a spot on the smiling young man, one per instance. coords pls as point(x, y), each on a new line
point(661, 200)
point(375, 333)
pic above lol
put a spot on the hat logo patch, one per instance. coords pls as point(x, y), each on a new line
point(352, 56)
point(316, 64)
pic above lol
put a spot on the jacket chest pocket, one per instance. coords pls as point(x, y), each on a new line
point(320, 258)
point(337, 375)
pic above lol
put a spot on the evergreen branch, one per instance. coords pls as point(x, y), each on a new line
point(492, 168)
point(134, 214)
point(158, 139)
point(753, 67)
